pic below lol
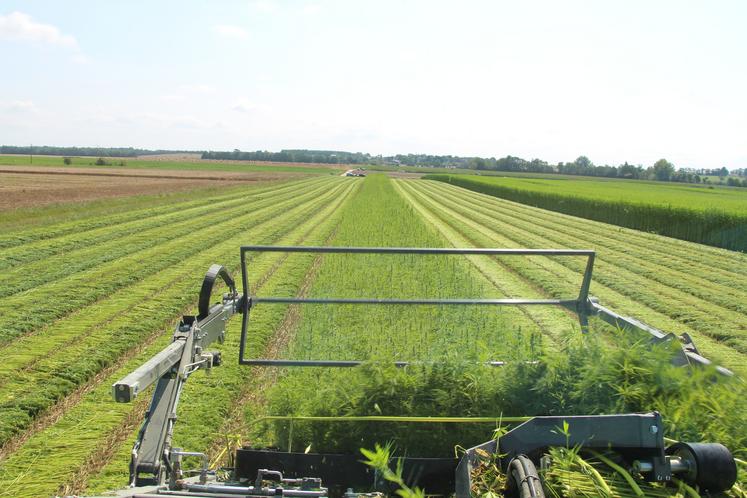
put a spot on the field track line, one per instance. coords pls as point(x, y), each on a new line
point(263, 377)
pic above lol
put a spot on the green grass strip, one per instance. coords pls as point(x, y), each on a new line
point(712, 226)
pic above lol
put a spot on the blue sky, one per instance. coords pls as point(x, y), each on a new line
point(616, 81)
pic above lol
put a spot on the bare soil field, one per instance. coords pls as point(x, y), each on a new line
point(22, 187)
point(196, 158)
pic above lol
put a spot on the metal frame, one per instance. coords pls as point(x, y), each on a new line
point(578, 305)
point(584, 306)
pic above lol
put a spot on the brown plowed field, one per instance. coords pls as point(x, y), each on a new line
point(28, 186)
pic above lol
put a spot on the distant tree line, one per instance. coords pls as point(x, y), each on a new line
point(294, 156)
point(47, 150)
point(662, 170)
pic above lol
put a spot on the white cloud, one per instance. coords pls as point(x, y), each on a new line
point(311, 9)
point(229, 31)
point(166, 120)
point(265, 6)
point(244, 105)
point(272, 7)
point(195, 88)
point(18, 26)
point(19, 106)
point(247, 106)
point(81, 59)
point(182, 92)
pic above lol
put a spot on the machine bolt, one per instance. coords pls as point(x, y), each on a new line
point(654, 429)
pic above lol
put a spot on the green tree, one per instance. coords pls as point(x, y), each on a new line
point(663, 170)
point(583, 162)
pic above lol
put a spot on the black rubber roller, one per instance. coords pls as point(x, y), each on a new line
point(712, 466)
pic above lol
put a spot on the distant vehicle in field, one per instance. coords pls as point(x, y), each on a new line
point(355, 172)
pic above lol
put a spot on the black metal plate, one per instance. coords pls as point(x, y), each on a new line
point(339, 472)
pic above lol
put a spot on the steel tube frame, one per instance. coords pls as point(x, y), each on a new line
point(578, 304)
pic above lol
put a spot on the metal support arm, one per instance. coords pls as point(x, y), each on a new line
point(170, 368)
point(690, 354)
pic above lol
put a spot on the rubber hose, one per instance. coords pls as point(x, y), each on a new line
point(525, 478)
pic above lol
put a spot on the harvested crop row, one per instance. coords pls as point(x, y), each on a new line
point(124, 240)
point(677, 253)
point(28, 349)
point(712, 226)
point(199, 422)
point(82, 352)
point(64, 460)
point(552, 276)
point(618, 273)
point(552, 320)
point(423, 333)
point(111, 314)
point(57, 299)
point(81, 219)
point(49, 246)
point(673, 260)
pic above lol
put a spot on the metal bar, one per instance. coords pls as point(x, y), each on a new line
point(583, 296)
point(128, 388)
point(383, 418)
point(244, 306)
point(624, 322)
point(621, 321)
point(499, 302)
point(309, 363)
point(337, 363)
point(572, 304)
point(420, 250)
point(703, 361)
